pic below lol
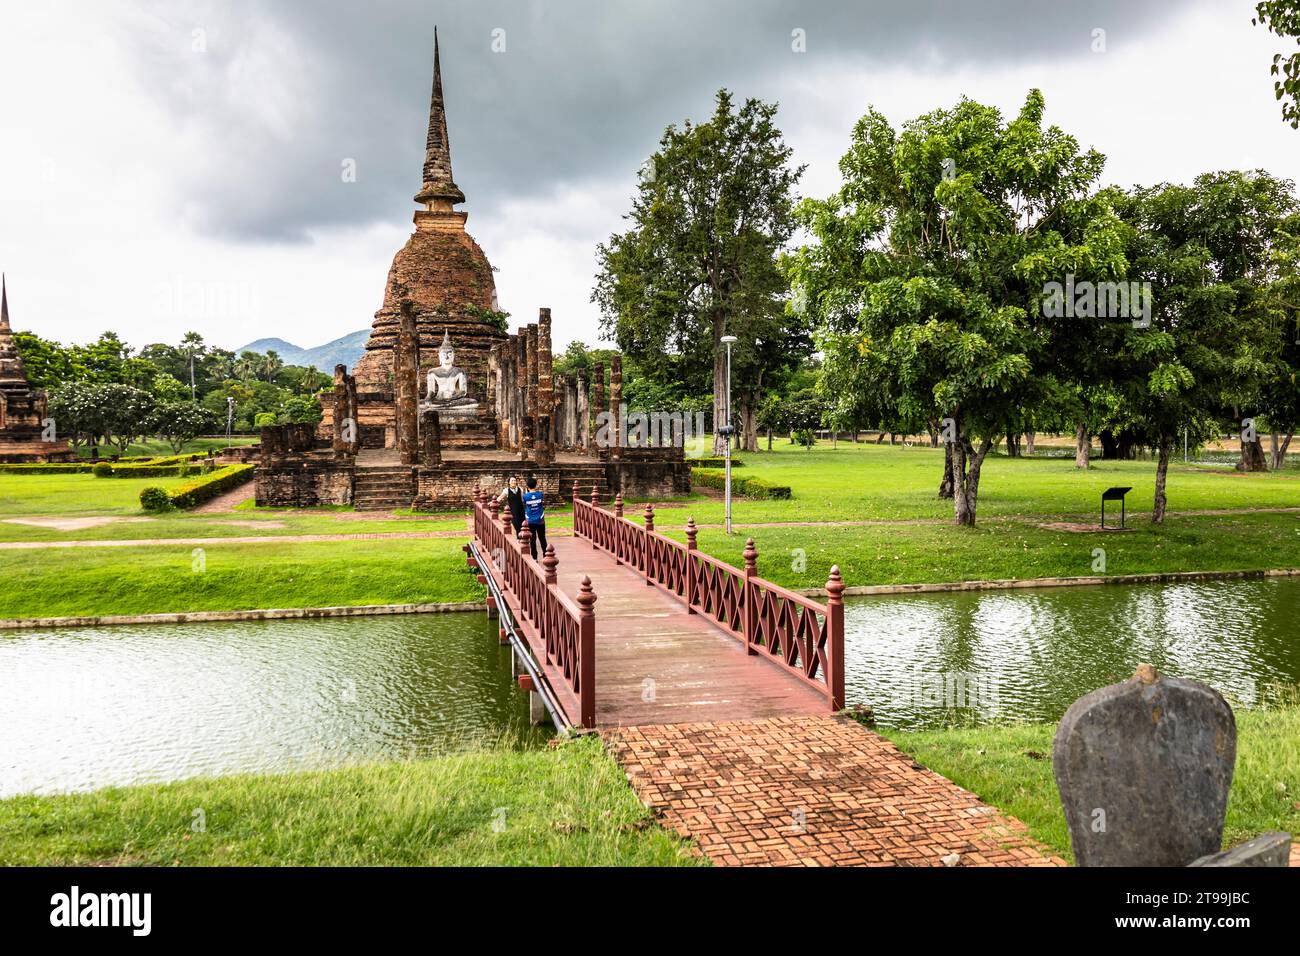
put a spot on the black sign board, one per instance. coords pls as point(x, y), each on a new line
point(1114, 494)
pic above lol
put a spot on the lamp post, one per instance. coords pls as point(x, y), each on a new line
point(726, 429)
point(230, 414)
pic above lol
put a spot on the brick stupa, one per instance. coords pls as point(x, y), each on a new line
point(23, 430)
point(441, 272)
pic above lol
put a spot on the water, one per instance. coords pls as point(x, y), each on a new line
point(934, 659)
point(92, 707)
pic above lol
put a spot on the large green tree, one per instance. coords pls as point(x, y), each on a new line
point(699, 261)
point(927, 274)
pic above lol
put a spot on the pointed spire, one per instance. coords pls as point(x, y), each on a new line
point(438, 184)
point(4, 305)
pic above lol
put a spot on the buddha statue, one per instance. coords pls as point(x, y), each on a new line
point(446, 384)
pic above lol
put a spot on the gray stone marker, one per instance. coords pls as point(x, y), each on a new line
point(1270, 849)
point(1143, 769)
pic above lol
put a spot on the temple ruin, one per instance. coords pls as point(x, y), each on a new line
point(27, 434)
point(445, 401)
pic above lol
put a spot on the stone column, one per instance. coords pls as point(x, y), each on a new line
point(521, 396)
point(597, 404)
point(338, 442)
point(545, 390)
point(582, 424)
point(350, 383)
point(406, 379)
point(615, 400)
point(430, 439)
point(493, 362)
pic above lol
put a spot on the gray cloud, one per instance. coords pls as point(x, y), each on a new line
point(283, 95)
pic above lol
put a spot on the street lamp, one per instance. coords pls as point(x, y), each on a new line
point(726, 429)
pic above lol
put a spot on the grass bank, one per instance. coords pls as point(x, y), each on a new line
point(1011, 768)
point(157, 579)
point(566, 806)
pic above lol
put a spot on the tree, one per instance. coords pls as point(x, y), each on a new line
point(78, 412)
point(712, 211)
point(1283, 18)
point(926, 276)
point(126, 414)
point(181, 422)
point(271, 365)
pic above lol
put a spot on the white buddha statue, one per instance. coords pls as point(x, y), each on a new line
point(447, 384)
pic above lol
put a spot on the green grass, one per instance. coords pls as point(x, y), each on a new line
point(1011, 768)
point(566, 806)
point(198, 446)
point(74, 494)
point(161, 579)
point(873, 482)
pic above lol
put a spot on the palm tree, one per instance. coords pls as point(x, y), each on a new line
point(246, 366)
point(271, 365)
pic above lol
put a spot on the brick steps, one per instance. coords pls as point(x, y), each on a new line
point(383, 488)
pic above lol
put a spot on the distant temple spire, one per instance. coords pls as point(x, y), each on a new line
point(439, 190)
point(4, 305)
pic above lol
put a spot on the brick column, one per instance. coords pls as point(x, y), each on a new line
point(406, 375)
point(615, 400)
point(430, 439)
point(521, 395)
point(545, 390)
point(582, 413)
point(597, 404)
point(337, 437)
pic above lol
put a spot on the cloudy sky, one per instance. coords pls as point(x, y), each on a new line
point(180, 165)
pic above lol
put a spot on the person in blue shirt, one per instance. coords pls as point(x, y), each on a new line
point(535, 512)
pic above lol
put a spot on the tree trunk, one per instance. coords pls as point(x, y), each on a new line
point(1109, 445)
point(880, 437)
point(891, 439)
point(1029, 443)
point(1013, 445)
point(1082, 446)
point(946, 485)
point(1252, 457)
point(1162, 469)
point(769, 439)
point(966, 479)
point(749, 426)
point(1279, 451)
point(932, 427)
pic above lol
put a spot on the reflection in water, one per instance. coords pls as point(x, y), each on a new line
point(927, 659)
point(91, 707)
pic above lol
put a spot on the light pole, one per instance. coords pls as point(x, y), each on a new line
point(230, 414)
point(726, 429)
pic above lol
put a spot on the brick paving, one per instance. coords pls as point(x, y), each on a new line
point(813, 790)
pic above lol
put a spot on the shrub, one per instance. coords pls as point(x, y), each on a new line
point(48, 468)
point(713, 462)
point(207, 487)
point(102, 469)
point(263, 419)
point(740, 486)
point(154, 498)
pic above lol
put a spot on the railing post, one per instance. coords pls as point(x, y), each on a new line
point(835, 638)
point(749, 621)
point(595, 503)
point(549, 564)
point(525, 540)
point(618, 526)
point(507, 527)
point(649, 545)
point(691, 532)
point(587, 653)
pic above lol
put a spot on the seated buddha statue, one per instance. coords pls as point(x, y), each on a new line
point(446, 384)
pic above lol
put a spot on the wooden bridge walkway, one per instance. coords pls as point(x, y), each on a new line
point(623, 626)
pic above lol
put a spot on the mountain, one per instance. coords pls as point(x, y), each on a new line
point(346, 351)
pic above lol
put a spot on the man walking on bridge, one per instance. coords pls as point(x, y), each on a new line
point(535, 510)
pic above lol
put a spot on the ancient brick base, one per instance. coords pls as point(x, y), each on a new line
point(813, 791)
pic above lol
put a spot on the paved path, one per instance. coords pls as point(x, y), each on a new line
point(656, 664)
point(813, 790)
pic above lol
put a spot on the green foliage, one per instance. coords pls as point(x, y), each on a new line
point(744, 487)
point(180, 422)
point(194, 493)
point(102, 470)
point(1282, 17)
point(711, 214)
point(154, 498)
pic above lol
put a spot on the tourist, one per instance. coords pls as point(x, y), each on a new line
point(535, 510)
point(513, 496)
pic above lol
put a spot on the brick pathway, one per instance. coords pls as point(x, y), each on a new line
point(740, 789)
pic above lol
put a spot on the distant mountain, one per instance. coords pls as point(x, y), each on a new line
point(346, 351)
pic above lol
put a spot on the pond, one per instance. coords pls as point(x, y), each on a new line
point(91, 707)
point(930, 660)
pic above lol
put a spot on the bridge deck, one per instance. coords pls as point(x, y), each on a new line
point(657, 664)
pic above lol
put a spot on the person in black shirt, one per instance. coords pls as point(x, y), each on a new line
point(513, 496)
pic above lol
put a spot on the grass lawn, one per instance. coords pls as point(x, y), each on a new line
point(76, 494)
point(199, 446)
point(567, 806)
point(143, 580)
point(1011, 768)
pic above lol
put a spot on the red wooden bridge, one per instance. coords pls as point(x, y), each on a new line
point(621, 625)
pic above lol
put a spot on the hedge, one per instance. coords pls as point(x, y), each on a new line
point(194, 493)
point(740, 486)
point(714, 462)
point(49, 468)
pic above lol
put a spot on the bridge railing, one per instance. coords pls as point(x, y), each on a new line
point(560, 631)
point(803, 636)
